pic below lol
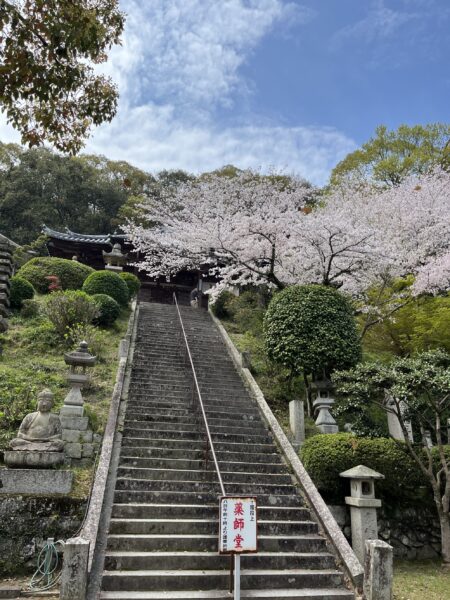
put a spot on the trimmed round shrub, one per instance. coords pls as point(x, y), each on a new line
point(30, 309)
point(311, 328)
point(70, 273)
point(20, 290)
point(108, 307)
point(70, 308)
point(326, 455)
point(105, 282)
point(132, 282)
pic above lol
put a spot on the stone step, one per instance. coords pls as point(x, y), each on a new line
point(212, 560)
point(219, 445)
point(168, 412)
point(183, 511)
point(200, 475)
point(198, 497)
point(218, 437)
point(162, 485)
point(209, 543)
point(197, 425)
point(207, 526)
point(279, 594)
point(193, 580)
point(163, 453)
point(198, 465)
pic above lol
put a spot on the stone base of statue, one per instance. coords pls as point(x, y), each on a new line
point(35, 481)
point(34, 459)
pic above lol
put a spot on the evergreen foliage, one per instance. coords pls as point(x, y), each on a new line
point(20, 290)
point(106, 282)
point(133, 283)
point(311, 329)
point(326, 455)
point(71, 274)
point(108, 307)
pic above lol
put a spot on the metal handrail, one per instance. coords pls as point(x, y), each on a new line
point(208, 433)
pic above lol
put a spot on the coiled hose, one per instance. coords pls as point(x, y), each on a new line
point(45, 576)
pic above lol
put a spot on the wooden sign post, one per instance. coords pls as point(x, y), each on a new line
point(238, 532)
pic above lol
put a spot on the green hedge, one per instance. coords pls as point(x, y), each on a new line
point(325, 456)
point(71, 274)
point(21, 290)
point(133, 284)
point(105, 282)
point(108, 307)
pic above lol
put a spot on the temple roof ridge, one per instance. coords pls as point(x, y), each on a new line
point(72, 236)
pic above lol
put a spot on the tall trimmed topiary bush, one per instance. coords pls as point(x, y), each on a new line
point(70, 273)
point(132, 282)
point(311, 329)
point(20, 290)
point(106, 282)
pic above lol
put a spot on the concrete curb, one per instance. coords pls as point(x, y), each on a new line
point(87, 536)
point(323, 514)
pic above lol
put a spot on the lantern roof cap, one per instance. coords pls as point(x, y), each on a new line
point(361, 472)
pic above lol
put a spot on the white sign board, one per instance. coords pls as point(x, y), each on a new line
point(238, 525)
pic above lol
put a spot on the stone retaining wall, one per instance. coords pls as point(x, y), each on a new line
point(26, 522)
point(414, 533)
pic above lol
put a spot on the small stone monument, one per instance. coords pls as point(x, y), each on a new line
point(322, 388)
point(39, 441)
point(297, 421)
point(363, 506)
point(115, 260)
point(395, 429)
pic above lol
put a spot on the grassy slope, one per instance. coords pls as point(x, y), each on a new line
point(33, 359)
point(420, 580)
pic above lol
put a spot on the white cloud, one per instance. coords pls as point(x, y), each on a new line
point(178, 72)
point(381, 22)
point(152, 138)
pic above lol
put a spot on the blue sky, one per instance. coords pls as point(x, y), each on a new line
point(290, 84)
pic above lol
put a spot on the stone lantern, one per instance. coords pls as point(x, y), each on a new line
point(115, 260)
point(78, 360)
point(322, 389)
point(363, 506)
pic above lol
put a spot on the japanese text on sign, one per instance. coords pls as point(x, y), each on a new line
point(238, 525)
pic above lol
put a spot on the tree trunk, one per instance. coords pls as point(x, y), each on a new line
point(308, 396)
point(444, 519)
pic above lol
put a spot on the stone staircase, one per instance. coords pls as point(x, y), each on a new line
point(163, 533)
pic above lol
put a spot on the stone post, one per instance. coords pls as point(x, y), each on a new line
point(378, 570)
point(74, 575)
point(363, 507)
point(395, 430)
point(246, 360)
point(297, 421)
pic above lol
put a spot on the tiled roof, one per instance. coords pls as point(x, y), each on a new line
point(71, 236)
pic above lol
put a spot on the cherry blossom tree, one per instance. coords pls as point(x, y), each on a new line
point(251, 229)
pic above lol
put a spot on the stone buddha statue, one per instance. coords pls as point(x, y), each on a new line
point(40, 431)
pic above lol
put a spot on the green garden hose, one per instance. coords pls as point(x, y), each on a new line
point(46, 576)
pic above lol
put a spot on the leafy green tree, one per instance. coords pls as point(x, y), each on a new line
point(390, 156)
point(413, 389)
point(422, 324)
point(60, 191)
point(311, 330)
point(48, 86)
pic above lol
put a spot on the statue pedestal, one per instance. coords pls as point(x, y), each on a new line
point(35, 481)
point(33, 459)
